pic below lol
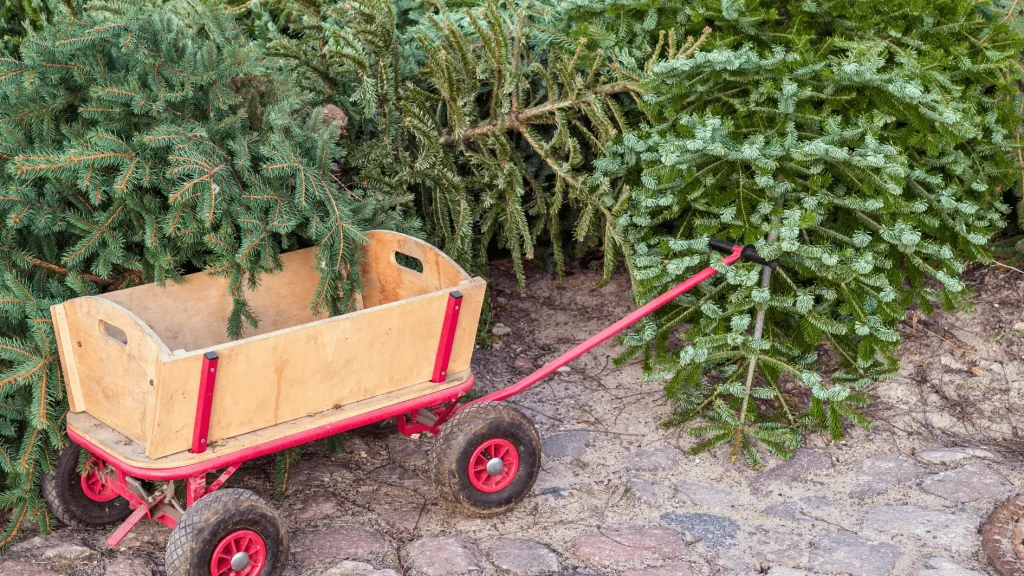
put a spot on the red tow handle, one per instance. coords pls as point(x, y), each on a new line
point(592, 342)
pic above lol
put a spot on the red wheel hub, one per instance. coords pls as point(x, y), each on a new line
point(493, 466)
point(94, 484)
point(241, 553)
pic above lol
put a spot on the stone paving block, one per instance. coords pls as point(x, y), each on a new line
point(785, 511)
point(643, 491)
point(707, 496)
point(401, 515)
point(939, 566)
point(145, 535)
point(523, 557)
point(314, 509)
point(817, 502)
point(787, 571)
point(733, 564)
point(879, 473)
point(335, 543)
point(127, 567)
point(66, 552)
point(846, 553)
point(407, 452)
point(572, 444)
point(653, 460)
point(951, 455)
point(715, 532)
point(966, 484)
point(776, 546)
point(443, 556)
point(623, 545)
point(351, 568)
point(670, 569)
point(805, 463)
point(945, 529)
point(12, 568)
point(394, 475)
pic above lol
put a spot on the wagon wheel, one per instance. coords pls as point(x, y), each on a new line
point(486, 459)
point(230, 532)
point(82, 500)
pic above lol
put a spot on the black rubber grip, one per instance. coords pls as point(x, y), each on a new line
point(723, 246)
point(749, 253)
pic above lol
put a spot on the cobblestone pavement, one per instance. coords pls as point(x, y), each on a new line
point(619, 495)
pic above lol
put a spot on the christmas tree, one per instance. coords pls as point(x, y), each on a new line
point(486, 118)
point(866, 147)
point(136, 148)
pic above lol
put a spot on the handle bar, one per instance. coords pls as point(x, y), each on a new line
point(735, 252)
point(749, 253)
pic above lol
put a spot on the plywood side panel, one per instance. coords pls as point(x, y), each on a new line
point(115, 358)
point(289, 374)
point(194, 314)
point(385, 281)
point(134, 453)
point(66, 351)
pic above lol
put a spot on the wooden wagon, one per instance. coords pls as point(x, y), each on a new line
point(159, 395)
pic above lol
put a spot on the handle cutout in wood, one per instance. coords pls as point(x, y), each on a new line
point(410, 262)
point(114, 334)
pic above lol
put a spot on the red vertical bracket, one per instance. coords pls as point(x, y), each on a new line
point(444, 347)
point(205, 403)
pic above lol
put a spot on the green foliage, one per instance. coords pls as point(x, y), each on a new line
point(486, 118)
point(20, 17)
point(864, 145)
point(285, 461)
point(138, 148)
point(1011, 248)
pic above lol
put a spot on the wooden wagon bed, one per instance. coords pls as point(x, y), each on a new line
point(133, 358)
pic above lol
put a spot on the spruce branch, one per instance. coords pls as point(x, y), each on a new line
point(517, 121)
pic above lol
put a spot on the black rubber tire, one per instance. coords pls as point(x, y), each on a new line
point(211, 519)
point(460, 437)
point(62, 490)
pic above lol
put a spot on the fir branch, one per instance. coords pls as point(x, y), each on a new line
point(518, 121)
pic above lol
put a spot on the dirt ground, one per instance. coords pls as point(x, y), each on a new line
point(618, 494)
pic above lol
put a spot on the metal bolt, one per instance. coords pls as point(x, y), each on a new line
point(239, 561)
point(495, 466)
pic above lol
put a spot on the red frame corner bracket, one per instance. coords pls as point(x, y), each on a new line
point(444, 346)
point(204, 405)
